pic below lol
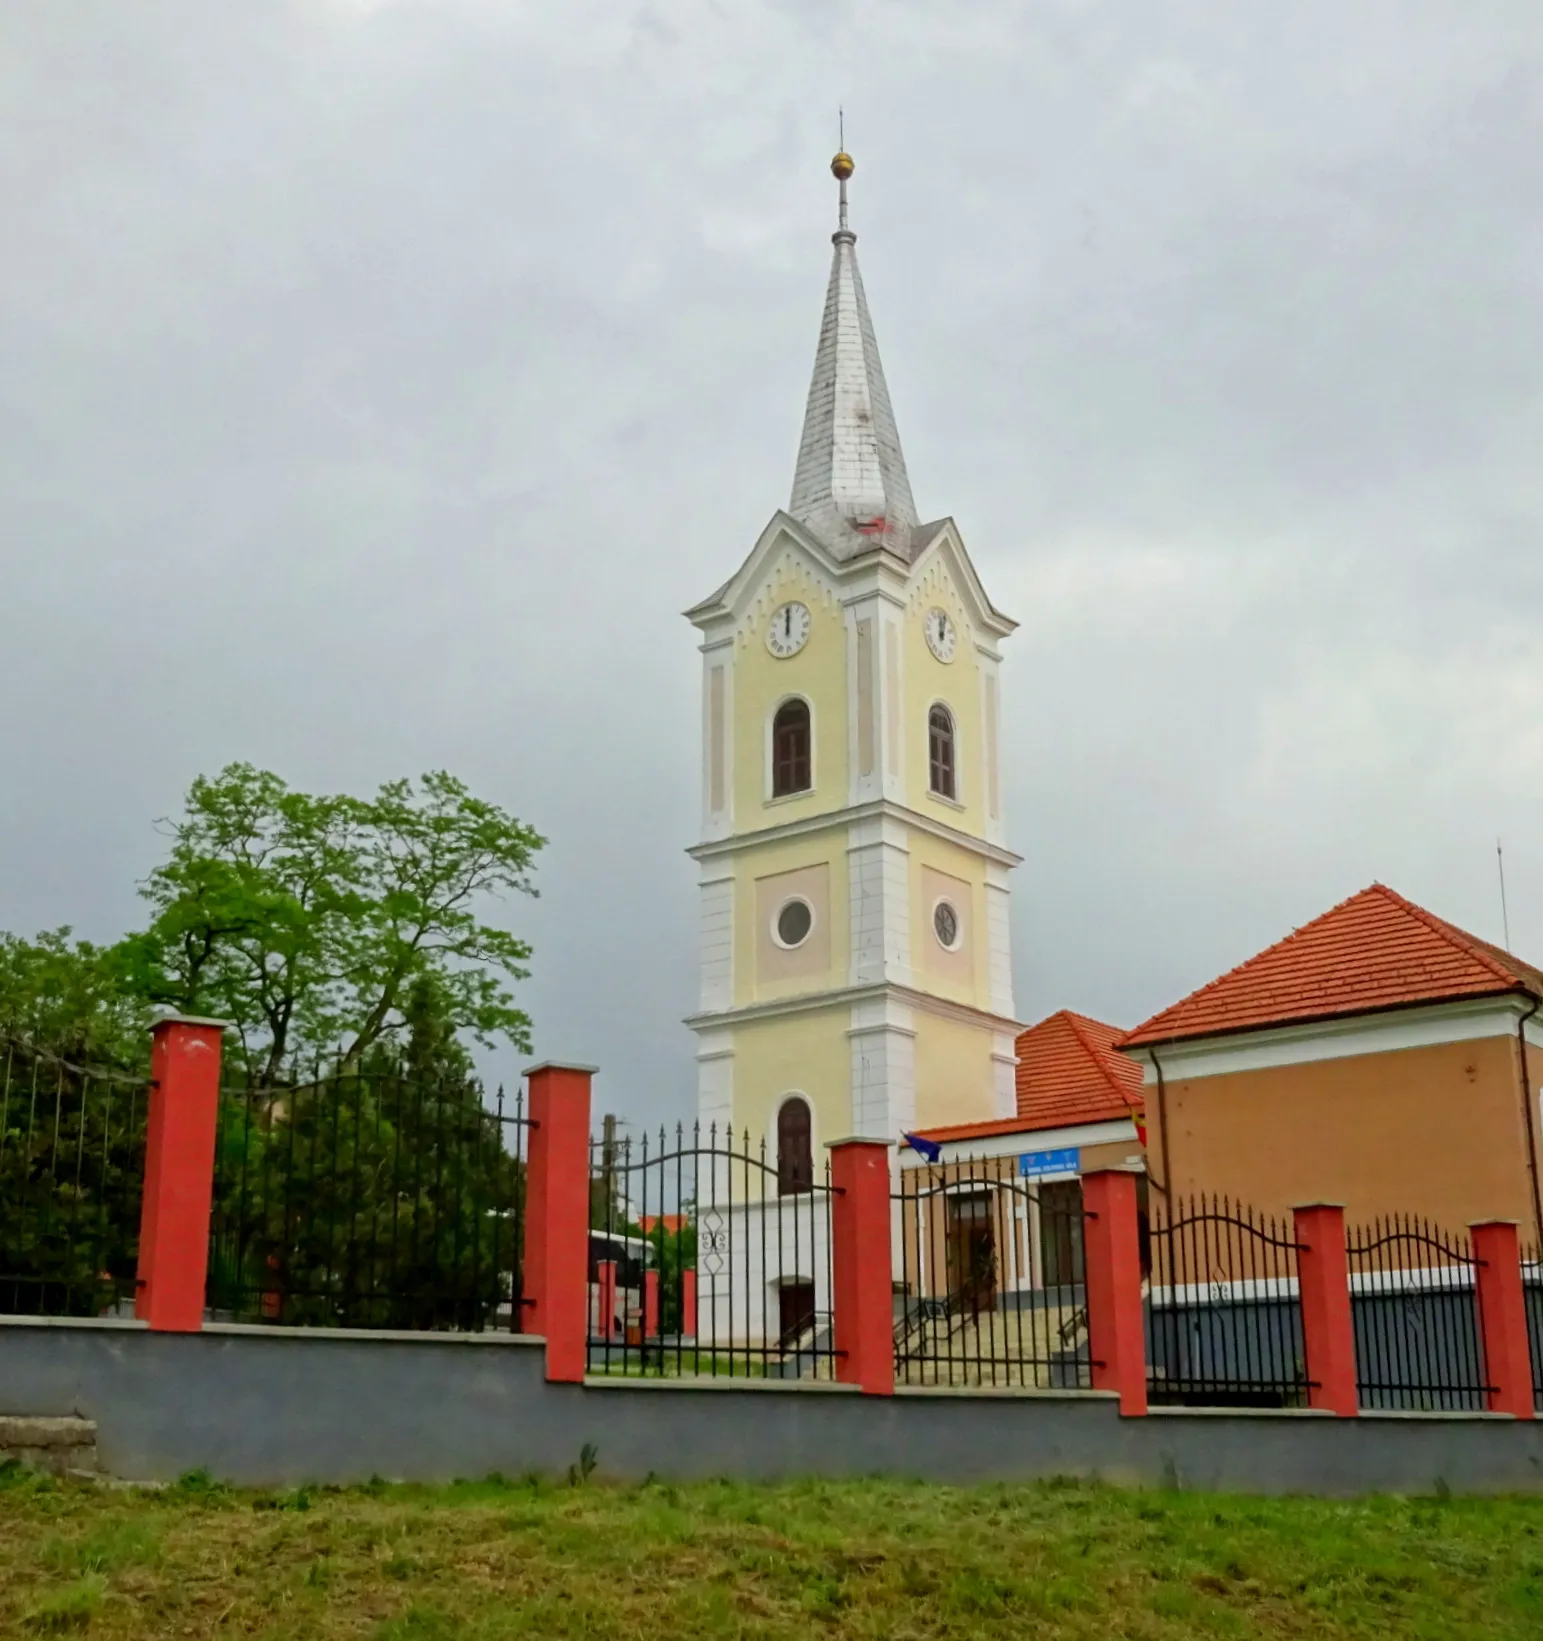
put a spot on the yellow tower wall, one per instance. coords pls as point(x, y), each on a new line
point(954, 1071)
point(957, 684)
point(802, 1054)
point(939, 867)
point(762, 681)
point(763, 876)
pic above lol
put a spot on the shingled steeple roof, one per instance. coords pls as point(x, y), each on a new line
point(850, 487)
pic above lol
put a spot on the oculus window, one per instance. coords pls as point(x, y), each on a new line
point(795, 918)
point(945, 925)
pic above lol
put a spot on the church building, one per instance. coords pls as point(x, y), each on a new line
point(856, 963)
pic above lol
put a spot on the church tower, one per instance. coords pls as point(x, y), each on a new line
point(855, 950)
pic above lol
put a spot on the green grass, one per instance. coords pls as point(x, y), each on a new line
point(871, 1559)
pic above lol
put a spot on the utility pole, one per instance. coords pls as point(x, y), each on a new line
point(608, 1166)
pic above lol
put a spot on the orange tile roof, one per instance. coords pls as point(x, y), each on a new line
point(1069, 1072)
point(1375, 950)
point(671, 1223)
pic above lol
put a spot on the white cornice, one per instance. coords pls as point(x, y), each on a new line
point(1381, 1033)
point(810, 1002)
point(878, 808)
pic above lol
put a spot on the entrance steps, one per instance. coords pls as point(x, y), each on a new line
point(62, 1447)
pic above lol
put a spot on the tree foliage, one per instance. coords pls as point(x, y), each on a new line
point(379, 1194)
point(331, 928)
point(62, 998)
point(305, 921)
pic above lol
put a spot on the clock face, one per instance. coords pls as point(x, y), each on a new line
point(942, 635)
point(789, 629)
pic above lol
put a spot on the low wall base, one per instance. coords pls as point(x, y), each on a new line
point(277, 1407)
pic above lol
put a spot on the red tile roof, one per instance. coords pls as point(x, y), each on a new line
point(1375, 950)
point(1069, 1072)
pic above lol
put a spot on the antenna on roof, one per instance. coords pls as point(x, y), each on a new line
point(1505, 922)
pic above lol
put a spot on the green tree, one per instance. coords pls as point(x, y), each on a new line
point(384, 1193)
point(307, 920)
point(73, 1058)
point(62, 998)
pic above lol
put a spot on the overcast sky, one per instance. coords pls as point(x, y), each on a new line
point(379, 381)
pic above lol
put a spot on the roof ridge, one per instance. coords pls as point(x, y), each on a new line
point(1237, 968)
point(1092, 1050)
point(1469, 944)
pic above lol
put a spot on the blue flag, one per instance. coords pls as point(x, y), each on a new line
point(930, 1149)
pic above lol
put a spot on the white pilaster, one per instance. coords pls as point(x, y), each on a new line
point(883, 1041)
point(878, 875)
point(1004, 1074)
point(715, 1077)
point(716, 934)
point(717, 737)
point(999, 940)
point(991, 744)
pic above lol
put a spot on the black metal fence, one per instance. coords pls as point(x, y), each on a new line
point(1415, 1311)
point(1532, 1295)
point(705, 1258)
point(991, 1288)
point(366, 1199)
point(72, 1147)
point(1224, 1310)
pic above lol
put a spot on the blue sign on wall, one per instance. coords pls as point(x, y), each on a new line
point(1035, 1164)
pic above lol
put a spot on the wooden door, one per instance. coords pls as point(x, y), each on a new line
point(972, 1252)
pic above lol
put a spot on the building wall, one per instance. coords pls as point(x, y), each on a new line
point(1434, 1130)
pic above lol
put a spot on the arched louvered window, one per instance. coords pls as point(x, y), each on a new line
point(795, 1147)
point(940, 751)
point(792, 765)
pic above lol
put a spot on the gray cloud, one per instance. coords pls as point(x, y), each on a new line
point(378, 382)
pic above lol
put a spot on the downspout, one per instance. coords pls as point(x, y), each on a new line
point(1162, 1118)
point(1532, 1148)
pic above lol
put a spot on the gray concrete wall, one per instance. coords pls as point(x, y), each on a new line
point(271, 1406)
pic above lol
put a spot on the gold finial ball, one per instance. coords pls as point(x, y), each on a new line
point(842, 166)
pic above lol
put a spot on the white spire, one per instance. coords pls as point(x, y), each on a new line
point(850, 486)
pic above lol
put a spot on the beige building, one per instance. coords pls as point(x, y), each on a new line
point(1378, 1057)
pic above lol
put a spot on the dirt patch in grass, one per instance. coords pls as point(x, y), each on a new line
point(875, 1559)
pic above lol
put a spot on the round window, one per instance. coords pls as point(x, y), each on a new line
point(794, 921)
point(945, 924)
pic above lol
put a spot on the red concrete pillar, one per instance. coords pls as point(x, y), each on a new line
point(688, 1302)
point(605, 1304)
point(650, 1304)
point(1328, 1331)
point(556, 1276)
point(179, 1173)
point(860, 1265)
point(1502, 1304)
point(1112, 1260)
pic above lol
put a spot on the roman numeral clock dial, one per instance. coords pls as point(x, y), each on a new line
point(789, 629)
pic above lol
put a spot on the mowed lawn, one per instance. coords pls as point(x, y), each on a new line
point(857, 1559)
